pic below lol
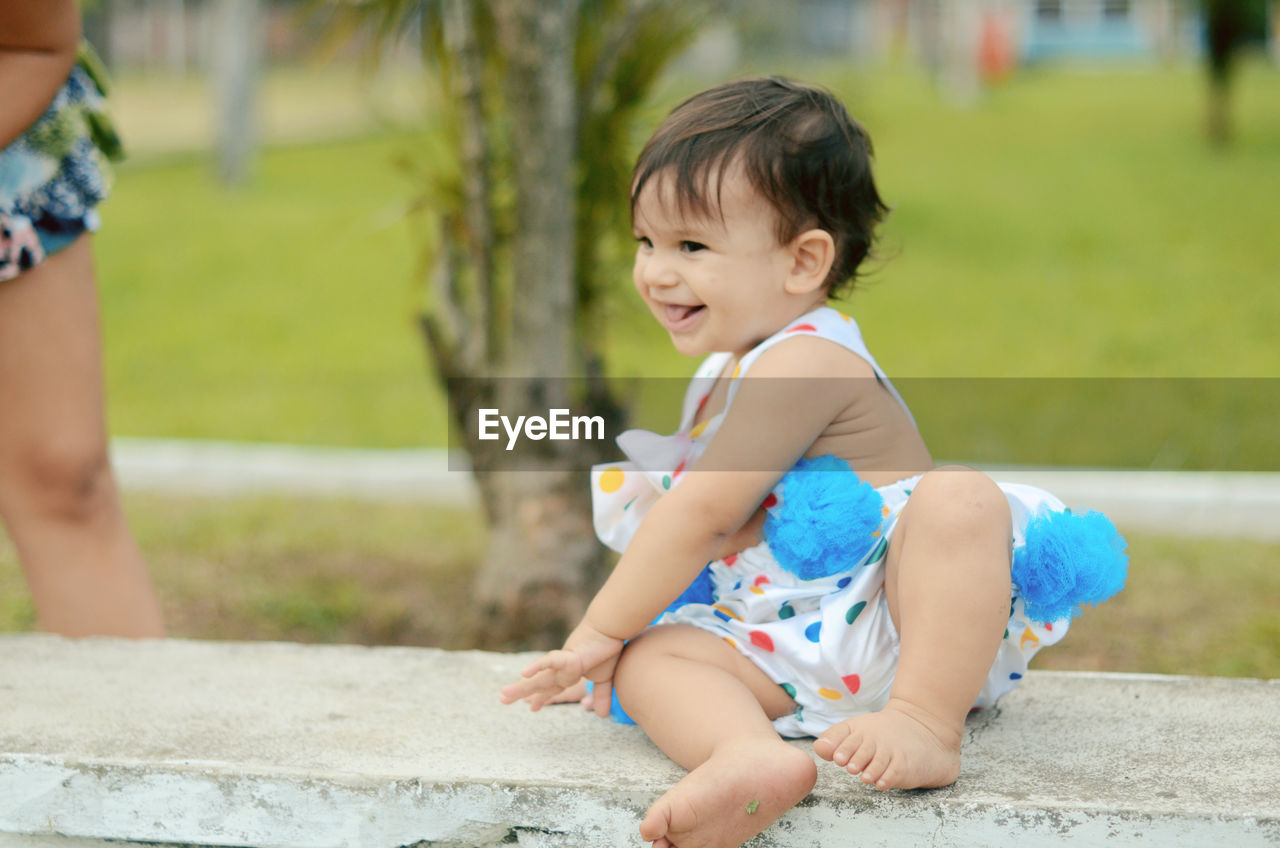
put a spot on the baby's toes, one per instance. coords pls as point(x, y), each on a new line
point(851, 745)
point(656, 823)
point(830, 741)
point(875, 769)
point(859, 759)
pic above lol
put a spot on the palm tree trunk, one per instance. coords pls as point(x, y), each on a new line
point(542, 553)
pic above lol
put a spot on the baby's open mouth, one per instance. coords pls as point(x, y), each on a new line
point(677, 313)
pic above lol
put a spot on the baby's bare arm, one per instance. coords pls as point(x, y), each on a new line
point(38, 40)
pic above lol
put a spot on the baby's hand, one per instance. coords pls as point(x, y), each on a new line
point(587, 653)
point(575, 694)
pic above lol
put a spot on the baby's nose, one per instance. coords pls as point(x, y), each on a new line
point(657, 272)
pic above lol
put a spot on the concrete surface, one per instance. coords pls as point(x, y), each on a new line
point(1191, 503)
point(254, 744)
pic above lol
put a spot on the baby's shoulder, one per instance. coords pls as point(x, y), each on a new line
point(806, 376)
point(814, 356)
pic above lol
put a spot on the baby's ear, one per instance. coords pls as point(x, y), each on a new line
point(812, 252)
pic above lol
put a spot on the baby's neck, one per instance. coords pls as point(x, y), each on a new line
point(799, 312)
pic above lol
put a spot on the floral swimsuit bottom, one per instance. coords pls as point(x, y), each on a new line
point(55, 173)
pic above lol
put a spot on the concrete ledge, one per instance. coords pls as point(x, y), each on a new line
point(203, 743)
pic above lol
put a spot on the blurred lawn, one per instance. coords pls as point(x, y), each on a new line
point(277, 312)
point(356, 572)
point(159, 115)
point(1069, 224)
point(1076, 224)
point(295, 569)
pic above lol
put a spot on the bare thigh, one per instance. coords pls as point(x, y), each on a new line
point(693, 643)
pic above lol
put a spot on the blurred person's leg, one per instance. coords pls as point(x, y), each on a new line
point(58, 496)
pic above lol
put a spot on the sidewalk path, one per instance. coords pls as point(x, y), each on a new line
point(1186, 503)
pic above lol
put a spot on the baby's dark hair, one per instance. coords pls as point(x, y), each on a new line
point(797, 146)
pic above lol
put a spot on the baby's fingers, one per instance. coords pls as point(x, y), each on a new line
point(537, 690)
point(513, 692)
point(544, 678)
point(565, 668)
point(602, 698)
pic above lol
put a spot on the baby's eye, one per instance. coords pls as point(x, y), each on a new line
point(692, 246)
point(644, 241)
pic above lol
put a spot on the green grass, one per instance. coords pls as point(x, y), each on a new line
point(356, 572)
point(276, 312)
point(297, 570)
point(1078, 225)
point(1068, 224)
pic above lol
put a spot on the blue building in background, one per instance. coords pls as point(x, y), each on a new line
point(1098, 28)
point(1052, 29)
point(934, 31)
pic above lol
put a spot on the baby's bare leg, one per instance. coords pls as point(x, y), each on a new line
point(709, 709)
point(947, 586)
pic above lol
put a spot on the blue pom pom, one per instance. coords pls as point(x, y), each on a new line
point(1068, 560)
point(824, 522)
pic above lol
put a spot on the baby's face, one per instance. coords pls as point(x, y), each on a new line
point(714, 283)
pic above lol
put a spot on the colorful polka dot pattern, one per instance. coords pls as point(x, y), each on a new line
point(846, 687)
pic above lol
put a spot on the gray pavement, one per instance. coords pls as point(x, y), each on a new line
point(1223, 504)
point(205, 743)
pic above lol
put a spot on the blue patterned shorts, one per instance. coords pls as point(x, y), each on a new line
point(54, 175)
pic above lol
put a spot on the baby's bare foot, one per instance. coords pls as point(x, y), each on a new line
point(742, 789)
point(899, 747)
